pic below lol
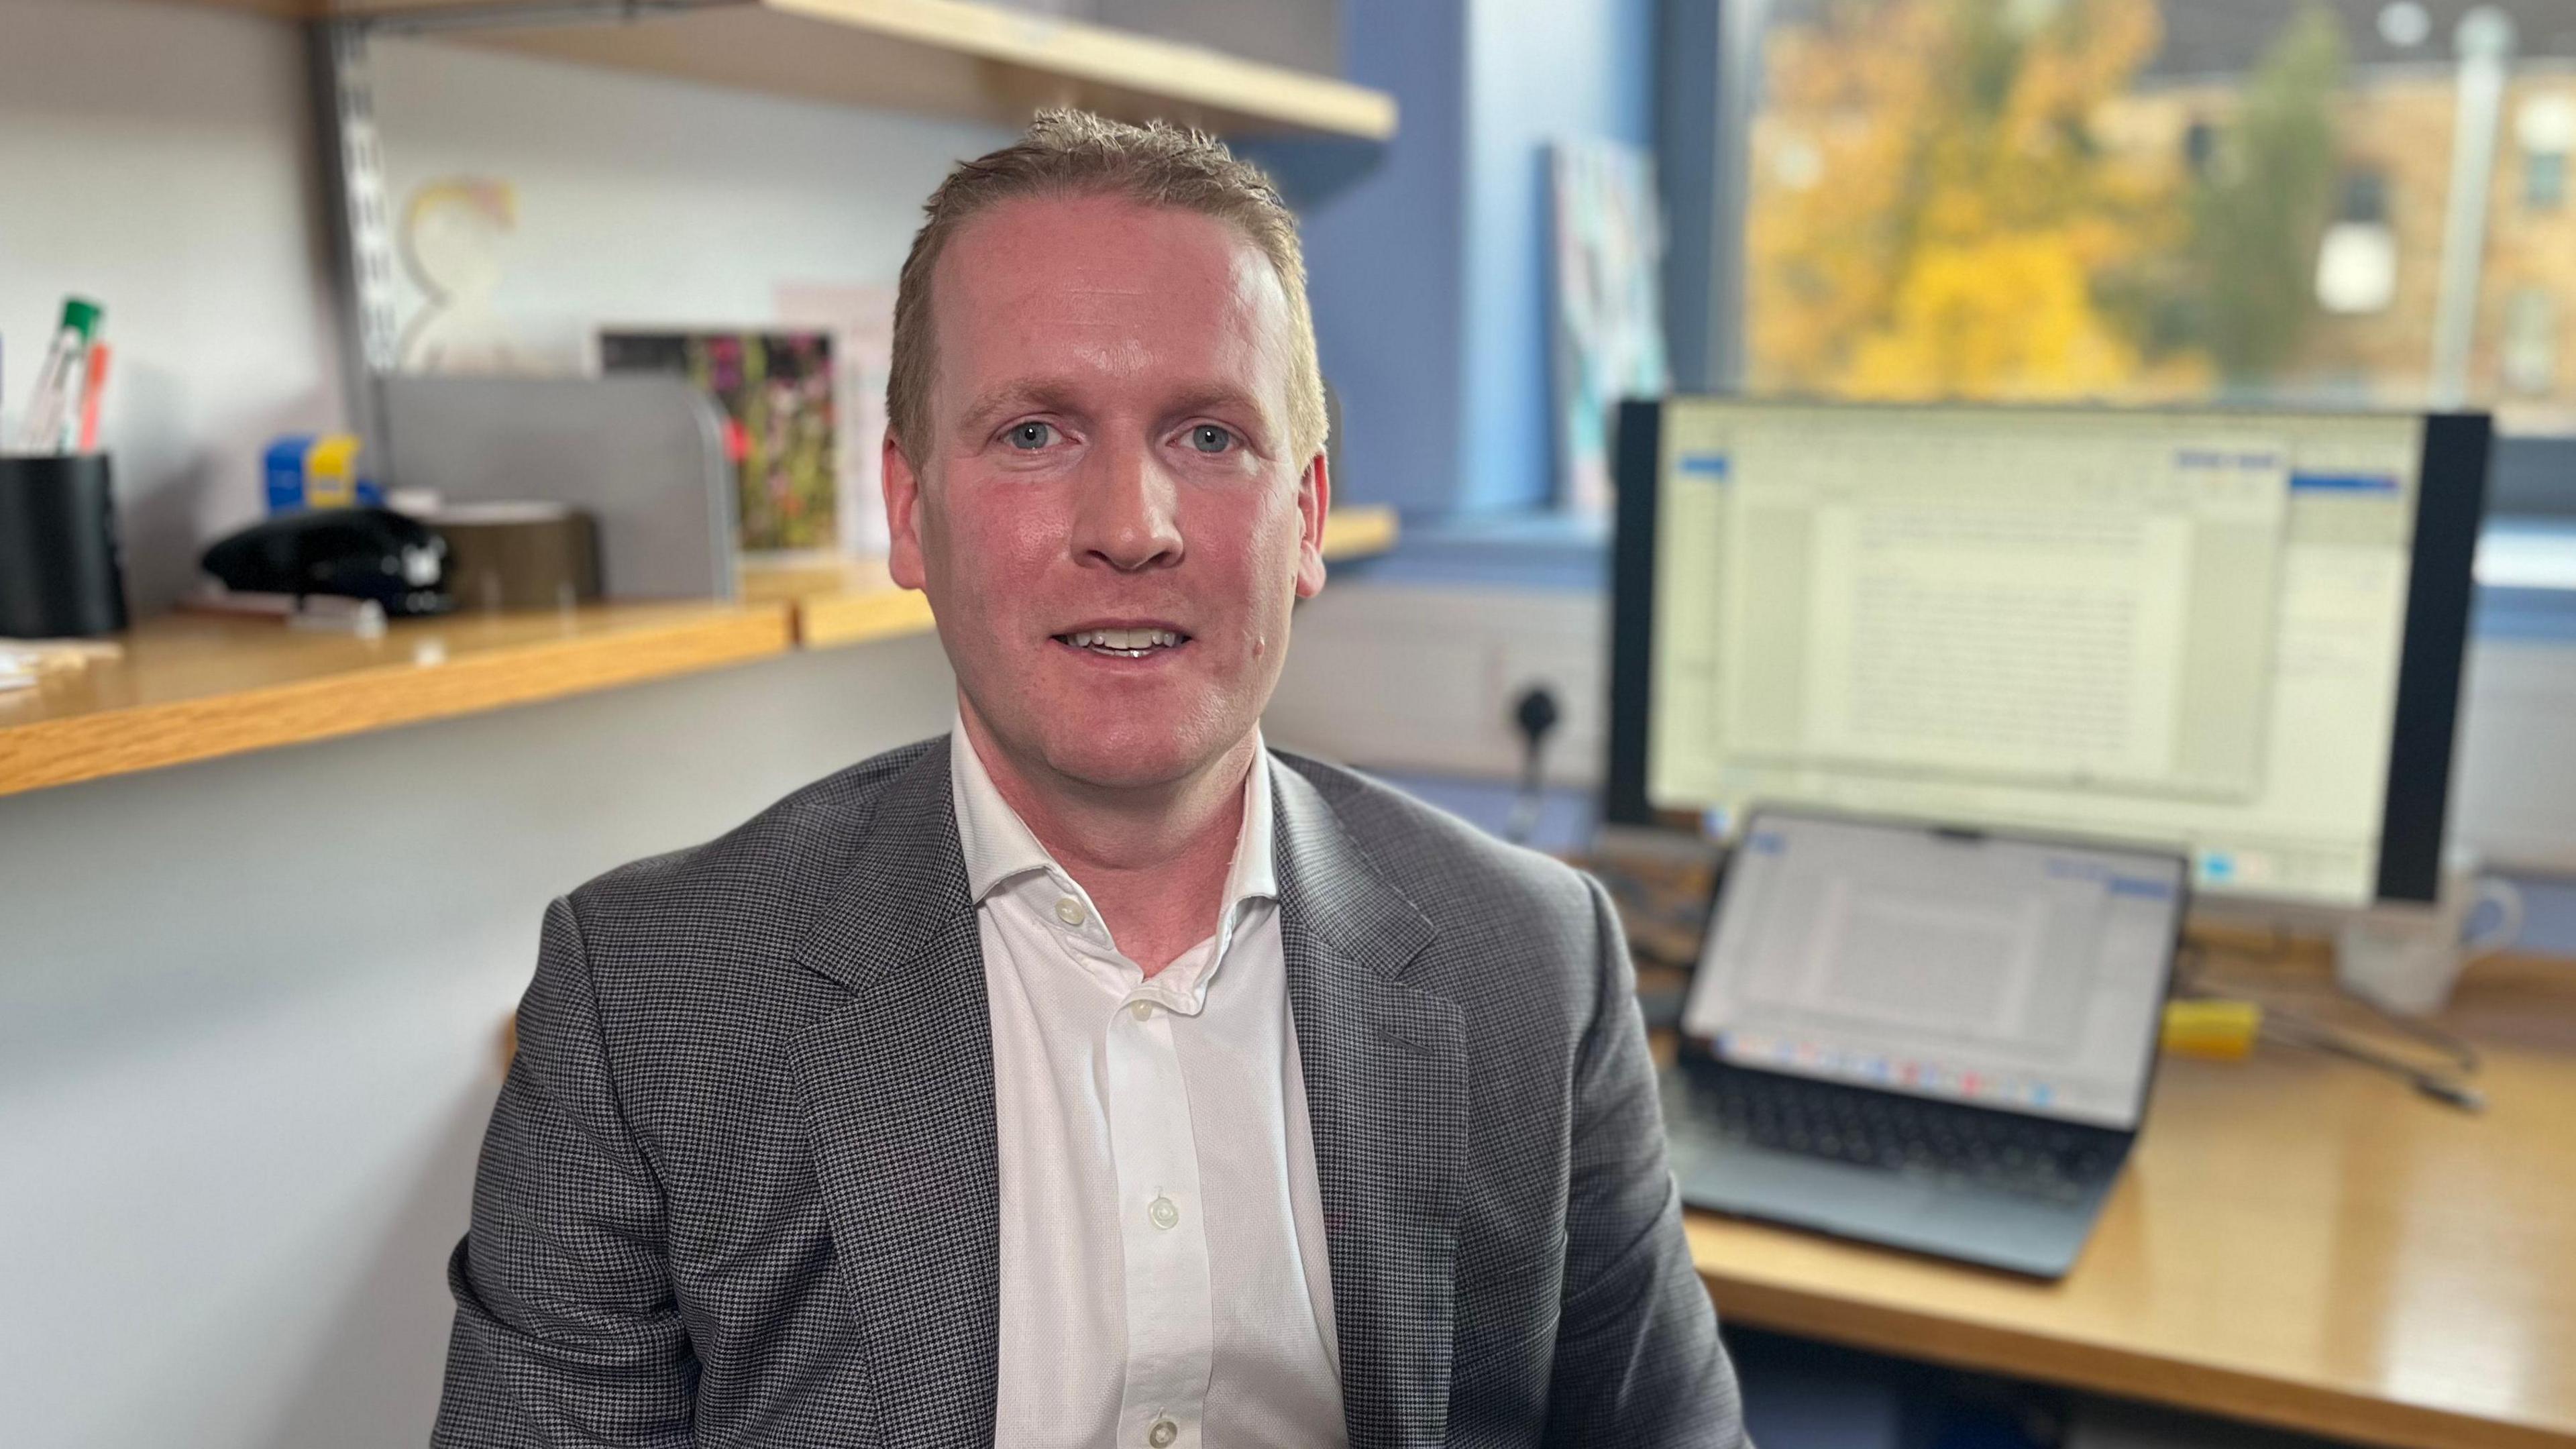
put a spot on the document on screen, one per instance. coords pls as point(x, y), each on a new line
point(2076, 612)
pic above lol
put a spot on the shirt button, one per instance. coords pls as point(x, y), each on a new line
point(1166, 1214)
point(1070, 911)
point(1142, 1011)
point(1162, 1434)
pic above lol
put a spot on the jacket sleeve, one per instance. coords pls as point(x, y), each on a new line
point(567, 1331)
point(1637, 1355)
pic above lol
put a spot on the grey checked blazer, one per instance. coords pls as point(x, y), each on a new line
point(740, 1188)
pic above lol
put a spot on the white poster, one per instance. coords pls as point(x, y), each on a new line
point(861, 321)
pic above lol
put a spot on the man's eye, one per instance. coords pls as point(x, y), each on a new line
point(1032, 435)
point(1209, 438)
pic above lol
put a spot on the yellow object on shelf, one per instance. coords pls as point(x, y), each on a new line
point(2216, 1029)
point(331, 471)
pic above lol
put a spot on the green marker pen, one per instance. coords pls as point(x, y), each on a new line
point(41, 430)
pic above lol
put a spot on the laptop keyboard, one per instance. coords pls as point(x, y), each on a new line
point(2032, 1156)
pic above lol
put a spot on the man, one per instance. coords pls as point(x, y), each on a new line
point(1091, 1076)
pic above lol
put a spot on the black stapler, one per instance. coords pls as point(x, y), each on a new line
point(356, 553)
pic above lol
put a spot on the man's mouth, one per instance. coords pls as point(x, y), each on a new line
point(1123, 643)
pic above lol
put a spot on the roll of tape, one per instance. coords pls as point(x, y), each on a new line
point(519, 555)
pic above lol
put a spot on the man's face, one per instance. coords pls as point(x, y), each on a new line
point(1107, 512)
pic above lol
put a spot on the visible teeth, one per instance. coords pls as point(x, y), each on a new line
point(1128, 640)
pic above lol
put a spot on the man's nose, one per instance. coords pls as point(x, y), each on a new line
point(1128, 516)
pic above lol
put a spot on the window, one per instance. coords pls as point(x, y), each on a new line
point(2357, 257)
point(2544, 180)
point(2530, 358)
point(2158, 201)
point(2547, 128)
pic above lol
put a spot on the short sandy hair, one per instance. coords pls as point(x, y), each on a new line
point(1068, 153)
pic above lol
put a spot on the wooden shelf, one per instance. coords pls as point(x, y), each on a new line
point(1362, 531)
point(195, 687)
point(854, 602)
point(837, 603)
point(934, 57)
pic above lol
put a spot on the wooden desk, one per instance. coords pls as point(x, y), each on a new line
point(2299, 1241)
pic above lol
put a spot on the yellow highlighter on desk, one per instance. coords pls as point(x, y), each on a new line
point(2214, 1028)
point(2220, 1029)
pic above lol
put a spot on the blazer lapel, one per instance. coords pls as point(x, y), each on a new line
point(897, 1093)
point(1386, 1091)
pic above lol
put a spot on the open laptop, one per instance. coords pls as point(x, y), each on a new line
point(1932, 1038)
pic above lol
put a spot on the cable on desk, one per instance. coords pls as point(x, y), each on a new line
point(2293, 1028)
point(1534, 714)
point(2295, 1031)
point(2462, 1055)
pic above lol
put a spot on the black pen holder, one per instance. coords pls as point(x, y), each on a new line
point(62, 573)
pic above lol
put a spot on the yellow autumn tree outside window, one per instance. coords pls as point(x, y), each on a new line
point(2151, 200)
point(1938, 217)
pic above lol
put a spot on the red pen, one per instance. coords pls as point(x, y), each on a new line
point(92, 385)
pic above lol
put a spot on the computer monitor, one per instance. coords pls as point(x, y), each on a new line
point(2233, 633)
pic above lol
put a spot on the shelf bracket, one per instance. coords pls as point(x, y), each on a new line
point(509, 14)
point(360, 219)
point(359, 210)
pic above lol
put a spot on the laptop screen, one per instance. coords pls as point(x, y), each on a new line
point(2013, 973)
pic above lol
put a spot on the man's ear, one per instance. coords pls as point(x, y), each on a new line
point(903, 516)
point(1314, 500)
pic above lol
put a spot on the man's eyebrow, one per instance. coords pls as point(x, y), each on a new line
point(1217, 397)
point(1020, 395)
point(1224, 398)
point(1048, 395)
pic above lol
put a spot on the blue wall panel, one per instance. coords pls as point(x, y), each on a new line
point(1428, 257)
point(1383, 235)
point(1538, 71)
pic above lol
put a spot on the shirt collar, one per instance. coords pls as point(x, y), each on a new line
point(999, 847)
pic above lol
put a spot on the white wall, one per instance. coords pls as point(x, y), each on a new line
point(2514, 797)
point(248, 1008)
point(649, 201)
point(1407, 677)
point(157, 159)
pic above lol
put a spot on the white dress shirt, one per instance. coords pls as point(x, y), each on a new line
point(1164, 1279)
